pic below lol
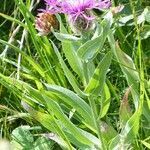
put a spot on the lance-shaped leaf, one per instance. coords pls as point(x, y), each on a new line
point(74, 101)
point(96, 83)
point(125, 111)
point(49, 122)
point(127, 66)
point(107, 131)
point(128, 133)
point(90, 48)
point(68, 46)
point(55, 109)
point(71, 78)
point(105, 101)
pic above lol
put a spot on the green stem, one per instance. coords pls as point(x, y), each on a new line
point(139, 55)
point(96, 121)
point(86, 76)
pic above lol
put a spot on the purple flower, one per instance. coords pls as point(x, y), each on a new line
point(79, 12)
point(54, 6)
point(76, 6)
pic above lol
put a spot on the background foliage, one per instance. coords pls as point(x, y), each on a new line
point(62, 92)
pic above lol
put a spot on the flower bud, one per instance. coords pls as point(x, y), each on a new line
point(117, 9)
point(83, 23)
point(44, 21)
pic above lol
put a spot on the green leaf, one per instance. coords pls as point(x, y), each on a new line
point(13, 20)
point(74, 101)
point(107, 131)
point(70, 52)
point(128, 68)
point(23, 136)
point(89, 49)
point(114, 143)
point(146, 144)
point(126, 20)
point(49, 122)
point(68, 73)
point(53, 107)
point(105, 101)
point(145, 33)
point(30, 97)
point(66, 37)
point(73, 59)
point(147, 16)
point(80, 145)
point(30, 60)
point(43, 143)
point(96, 83)
point(146, 109)
point(132, 126)
point(128, 133)
point(125, 110)
point(51, 74)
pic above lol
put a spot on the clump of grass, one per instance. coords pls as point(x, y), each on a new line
point(89, 92)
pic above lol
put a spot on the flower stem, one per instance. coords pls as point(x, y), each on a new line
point(96, 121)
point(86, 76)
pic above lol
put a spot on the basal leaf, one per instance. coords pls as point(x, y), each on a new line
point(74, 101)
point(53, 107)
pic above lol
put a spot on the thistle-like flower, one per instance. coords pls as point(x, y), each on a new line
point(44, 21)
point(79, 12)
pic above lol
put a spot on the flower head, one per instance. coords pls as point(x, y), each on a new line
point(54, 6)
point(44, 21)
point(79, 12)
point(71, 6)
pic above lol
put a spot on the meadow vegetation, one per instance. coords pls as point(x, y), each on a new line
point(86, 91)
